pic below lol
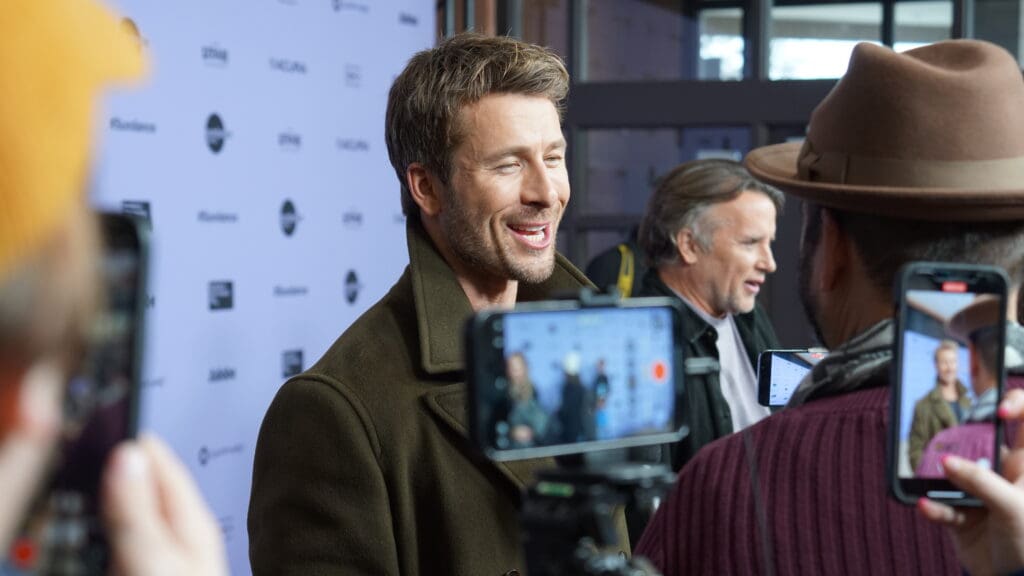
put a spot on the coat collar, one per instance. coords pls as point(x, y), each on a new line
point(442, 307)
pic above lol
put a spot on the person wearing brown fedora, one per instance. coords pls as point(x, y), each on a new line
point(912, 156)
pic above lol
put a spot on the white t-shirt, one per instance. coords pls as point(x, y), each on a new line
point(736, 376)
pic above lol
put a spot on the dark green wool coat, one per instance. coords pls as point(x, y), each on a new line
point(362, 464)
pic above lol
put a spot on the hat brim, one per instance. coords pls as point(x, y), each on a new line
point(776, 165)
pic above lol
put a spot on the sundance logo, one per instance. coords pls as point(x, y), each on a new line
point(346, 5)
point(289, 218)
point(290, 291)
point(217, 217)
point(138, 126)
point(222, 295)
point(408, 19)
point(289, 141)
point(208, 455)
point(352, 287)
point(216, 135)
point(353, 75)
point(288, 66)
point(214, 55)
point(291, 363)
point(221, 374)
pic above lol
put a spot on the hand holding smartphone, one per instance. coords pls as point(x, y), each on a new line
point(947, 376)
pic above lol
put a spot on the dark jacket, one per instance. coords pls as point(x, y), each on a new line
point(709, 415)
point(932, 415)
point(363, 465)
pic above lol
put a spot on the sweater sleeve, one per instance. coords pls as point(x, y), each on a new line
point(319, 503)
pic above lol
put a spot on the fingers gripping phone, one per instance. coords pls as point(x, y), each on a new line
point(947, 376)
point(63, 533)
point(556, 378)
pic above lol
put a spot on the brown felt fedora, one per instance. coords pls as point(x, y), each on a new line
point(934, 133)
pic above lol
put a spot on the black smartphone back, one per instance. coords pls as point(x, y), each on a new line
point(63, 533)
point(556, 378)
point(947, 376)
point(779, 372)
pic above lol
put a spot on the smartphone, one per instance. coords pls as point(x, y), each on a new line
point(561, 377)
point(947, 376)
point(779, 372)
point(63, 533)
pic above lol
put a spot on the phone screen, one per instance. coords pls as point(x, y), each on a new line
point(949, 365)
point(63, 533)
point(549, 382)
point(780, 372)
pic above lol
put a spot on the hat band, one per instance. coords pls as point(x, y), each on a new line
point(839, 168)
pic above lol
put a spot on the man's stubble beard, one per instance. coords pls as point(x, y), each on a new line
point(499, 261)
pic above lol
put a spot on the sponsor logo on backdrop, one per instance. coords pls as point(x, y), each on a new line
point(207, 217)
point(352, 219)
point(118, 124)
point(290, 218)
point(288, 2)
point(208, 454)
point(350, 6)
point(215, 55)
point(289, 141)
point(222, 295)
point(352, 287)
point(288, 66)
point(155, 382)
point(138, 209)
point(408, 19)
point(221, 374)
point(352, 145)
point(227, 527)
point(216, 134)
point(353, 75)
point(291, 363)
point(290, 291)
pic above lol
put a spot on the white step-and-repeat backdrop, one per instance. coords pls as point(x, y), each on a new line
point(256, 150)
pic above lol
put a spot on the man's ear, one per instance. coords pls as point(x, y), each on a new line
point(835, 252)
point(686, 245)
point(425, 188)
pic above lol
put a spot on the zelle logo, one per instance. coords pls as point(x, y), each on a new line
point(216, 135)
point(222, 295)
point(408, 19)
point(289, 141)
point(291, 363)
point(354, 145)
point(207, 455)
point(221, 374)
point(215, 56)
point(289, 218)
point(288, 66)
point(352, 287)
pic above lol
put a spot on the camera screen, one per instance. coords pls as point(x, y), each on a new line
point(63, 532)
point(951, 354)
point(787, 370)
point(574, 380)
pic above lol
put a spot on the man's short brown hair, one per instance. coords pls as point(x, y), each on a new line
point(422, 122)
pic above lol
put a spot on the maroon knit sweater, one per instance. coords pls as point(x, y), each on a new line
point(823, 494)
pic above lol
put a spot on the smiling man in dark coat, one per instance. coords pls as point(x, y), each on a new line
point(362, 464)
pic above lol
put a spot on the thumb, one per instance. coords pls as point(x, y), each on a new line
point(131, 507)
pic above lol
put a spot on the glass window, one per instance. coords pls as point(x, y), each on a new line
point(815, 41)
point(630, 40)
point(623, 166)
point(920, 23)
point(721, 44)
point(546, 22)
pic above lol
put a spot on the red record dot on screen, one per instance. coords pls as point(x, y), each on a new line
point(23, 553)
point(660, 371)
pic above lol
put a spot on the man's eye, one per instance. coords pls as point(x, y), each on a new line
point(553, 160)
